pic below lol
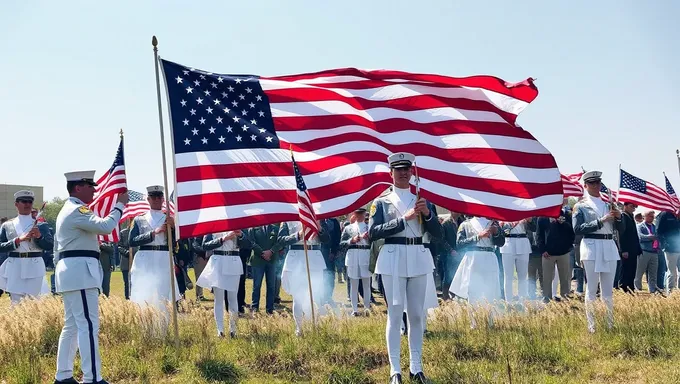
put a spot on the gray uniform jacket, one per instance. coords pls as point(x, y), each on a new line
point(386, 221)
point(142, 232)
point(8, 235)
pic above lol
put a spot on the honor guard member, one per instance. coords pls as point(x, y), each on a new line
point(79, 276)
point(150, 272)
point(596, 221)
point(355, 240)
point(294, 275)
point(24, 238)
point(515, 256)
point(403, 262)
point(223, 273)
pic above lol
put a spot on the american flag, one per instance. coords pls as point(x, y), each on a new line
point(604, 193)
point(109, 185)
point(307, 215)
point(231, 135)
point(643, 193)
point(671, 193)
point(138, 205)
point(571, 185)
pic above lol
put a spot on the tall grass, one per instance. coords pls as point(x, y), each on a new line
point(524, 344)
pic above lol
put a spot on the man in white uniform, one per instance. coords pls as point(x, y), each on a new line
point(515, 255)
point(595, 220)
point(23, 274)
point(79, 276)
point(403, 262)
point(355, 239)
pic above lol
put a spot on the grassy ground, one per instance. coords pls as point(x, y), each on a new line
point(535, 345)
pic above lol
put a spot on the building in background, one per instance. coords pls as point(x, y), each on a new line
point(7, 208)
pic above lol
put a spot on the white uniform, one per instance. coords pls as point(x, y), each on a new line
point(222, 273)
point(150, 272)
point(357, 259)
point(78, 277)
point(23, 273)
point(294, 276)
point(515, 255)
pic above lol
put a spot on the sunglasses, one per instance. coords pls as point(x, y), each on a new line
point(25, 201)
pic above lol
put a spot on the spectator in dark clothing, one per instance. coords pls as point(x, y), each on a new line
point(448, 257)
point(4, 255)
point(555, 239)
point(668, 232)
point(244, 254)
point(124, 251)
point(108, 263)
point(183, 257)
point(629, 249)
point(330, 252)
point(535, 273)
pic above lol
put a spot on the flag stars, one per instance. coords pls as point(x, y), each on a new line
point(249, 90)
point(209, 110)
point(258, 98)
point(269, 139)
point(192, 111)
point(201, 120)
point(179, 80)
point(244, 112)
point(207, 93)
point(253, 122)
point(220, 79)
point(230, 129)
point(224, 95)
point(190, 90)
point(241, 97)
point(199, 100)
point(212, 130)
point(216, 101)
point(261, 114)
point(251, 105)
point(194, 131)
point(197, 83)
point(185, 72)
point(187, 141)
point(245, 128)
point(204, 140)
point(226, 110)
point(239, 138)
point(230, 88)
point(185, 121)
point(234, 103)
point(219, 120)
point(253, 138)
point(183, 102)
point(262, 130)
point(202, 77)
point(238, 81)
point(213, 85)
point(221, 139)
point(236, 119)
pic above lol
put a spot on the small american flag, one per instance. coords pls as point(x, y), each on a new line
point(604, 193)
point(232, 135)
point(305, 207)
point(109, 186)
point(571, 185)
point(138, 205)
point(671, 193)
point(643, 193)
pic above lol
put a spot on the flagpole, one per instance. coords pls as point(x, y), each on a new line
point(677, 153)
point(309, 275)
point(169, 228)
point(122, 140)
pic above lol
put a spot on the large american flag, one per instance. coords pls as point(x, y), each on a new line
point(109, 186)
point(643, 193)
point(307, 215)
point(571, 185)
point(138, 205)
point(671, 193)
point(231, 135)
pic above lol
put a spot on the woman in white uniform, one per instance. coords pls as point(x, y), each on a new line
point(477, 276)
point(355, 240)
point(223, 273)
point(515, 255)
point(294, 276)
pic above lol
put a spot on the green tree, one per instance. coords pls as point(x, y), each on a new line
point(52, 209)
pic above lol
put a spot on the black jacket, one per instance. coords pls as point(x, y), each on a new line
point(555, 238)
point(668, 231)
point(628, 239)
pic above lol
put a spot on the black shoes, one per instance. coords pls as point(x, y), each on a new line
point(396, 379)
point(67, 381)
point(418, 378)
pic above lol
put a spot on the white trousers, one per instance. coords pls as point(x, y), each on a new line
point(81, 331)
point(219, 309)
point(15, 298)
point(354, 293)
point(512, 262)
point(413, 288)
point(606, 281)
point(672, 274)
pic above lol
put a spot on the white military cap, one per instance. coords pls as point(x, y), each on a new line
point(401, 160)
point(24, 195)
point(154, 190)
point(83, 176)
point(591, 176)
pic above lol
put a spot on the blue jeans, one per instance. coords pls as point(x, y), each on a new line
point(578, 272)
point(267, 271)
point(53, 286)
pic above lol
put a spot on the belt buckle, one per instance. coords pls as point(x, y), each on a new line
point(410, 241)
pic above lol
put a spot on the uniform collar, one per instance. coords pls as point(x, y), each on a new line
point(76, 200)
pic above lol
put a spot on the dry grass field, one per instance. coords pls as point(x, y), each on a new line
point(539, 344)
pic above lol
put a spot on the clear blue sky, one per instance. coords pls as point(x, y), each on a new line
point(73, 73)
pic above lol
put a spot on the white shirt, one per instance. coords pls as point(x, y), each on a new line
point(22, 225)
point(156, 219)
point(404, 200)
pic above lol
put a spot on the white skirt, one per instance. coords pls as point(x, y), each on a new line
point(150, 278)
point(357, 261)
point(221, 271)
point(477, 278)
point(294, 277)
point(23, 276)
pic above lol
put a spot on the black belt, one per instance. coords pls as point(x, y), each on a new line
point(226, 253)
point(598, 236)
point(359, 246)
point(153, 248)
point(297, 247)
point(25, 254)
point(516, 235)
point(67, 254)
point(404, 240)
point(481, 249)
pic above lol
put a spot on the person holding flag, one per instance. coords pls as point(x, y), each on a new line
point(402, 218)
point(24, 238)
point(304, 258)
